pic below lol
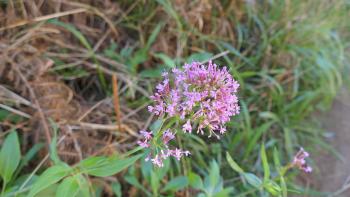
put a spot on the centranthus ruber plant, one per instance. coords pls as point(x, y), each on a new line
point(196, 97)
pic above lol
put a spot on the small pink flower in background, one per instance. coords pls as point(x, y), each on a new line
point(299, 161)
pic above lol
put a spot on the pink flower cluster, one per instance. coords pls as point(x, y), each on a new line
point(202, 95)
point(164, 152)
point(299, 161)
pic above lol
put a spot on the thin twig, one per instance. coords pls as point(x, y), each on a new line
point(7, 93)
point(216, 56)
point(105, 127)
point(135, 111)
point(76, 144)
point(95, 11)
point(32, 94)
point(120, 76)
point(148, 122)
point(43, 18)
point(15, 111)
point(91, 109)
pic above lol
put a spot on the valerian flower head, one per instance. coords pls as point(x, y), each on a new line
point(299, 161)
point(202, 95)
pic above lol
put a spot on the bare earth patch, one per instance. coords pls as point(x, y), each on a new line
point(334, 173)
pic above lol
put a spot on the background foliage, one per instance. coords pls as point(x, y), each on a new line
point(58, 59)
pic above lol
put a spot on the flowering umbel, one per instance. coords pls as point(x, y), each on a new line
point(200, 97)
point(299, 161)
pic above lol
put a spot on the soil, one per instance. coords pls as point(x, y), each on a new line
point(334, 173)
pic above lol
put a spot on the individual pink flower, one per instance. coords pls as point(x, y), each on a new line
point(143, 144)
point(148, 157)
point(147, 137)
point(178, 153)
point(187, 127)
point(157, 160)
point(299, 161)
point(167, 136)
point(165, 153)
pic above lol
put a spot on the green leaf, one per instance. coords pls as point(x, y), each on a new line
point(53, 145)
point(133, 181)
point(151, 73)
point(76, 185)
point(199, 57)
point(171, 12)
point(225, 192)
point(284, 187)
point(161, 172)
point(10, 156)
point(146, 168)
point(154, 183)
point(29, 155)
point(253, 180)
point(103, 167)
point(233, 164)
point(117, 189)
point(153, 36)
point(68, 188)
point(166, 59)
point(139, 57)
point(214, 173)
point(265, 162)
point(272, 187)
point(84, 187)
point(49, 191)
point(276, 159)
point(156, 125)
point(92, 162)
point(195, 181)
point(50, 176)
point(71, 28)
point(176, 184)
point(258, 132)
point(236, 52)
point(74, 31)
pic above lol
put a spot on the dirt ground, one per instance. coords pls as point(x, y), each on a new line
point(334, 173)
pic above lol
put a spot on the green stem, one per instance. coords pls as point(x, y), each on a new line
point(3, 188)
